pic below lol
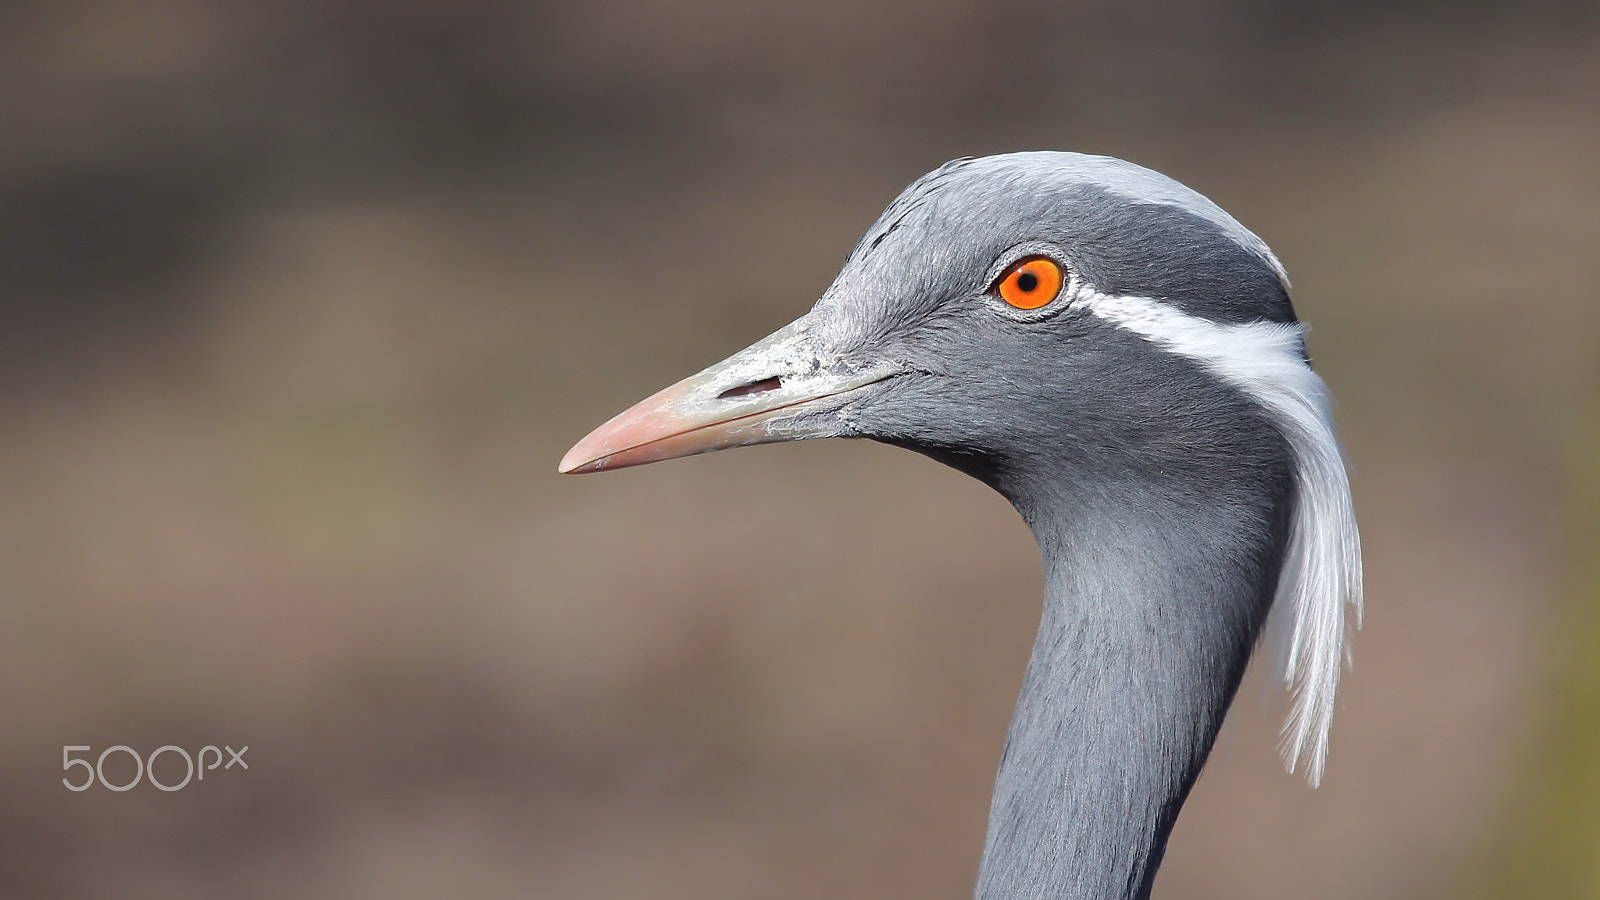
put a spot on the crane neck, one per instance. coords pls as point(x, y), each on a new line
point(1154, 597)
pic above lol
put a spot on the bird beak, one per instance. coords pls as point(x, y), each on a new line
point(779, 389)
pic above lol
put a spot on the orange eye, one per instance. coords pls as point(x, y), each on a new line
point(1031, 283)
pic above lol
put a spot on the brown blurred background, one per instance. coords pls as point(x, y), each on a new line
point(302, 301)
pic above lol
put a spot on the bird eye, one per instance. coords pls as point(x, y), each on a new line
point(1031, 283)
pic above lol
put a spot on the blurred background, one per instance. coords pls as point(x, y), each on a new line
point(302, 301)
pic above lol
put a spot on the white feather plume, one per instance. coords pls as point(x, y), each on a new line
point(1322, 567)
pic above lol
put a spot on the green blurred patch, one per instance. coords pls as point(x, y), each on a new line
point(1552, 848)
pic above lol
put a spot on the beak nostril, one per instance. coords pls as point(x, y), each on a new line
point(754, 387)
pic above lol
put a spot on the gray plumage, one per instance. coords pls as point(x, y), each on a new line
point(1158, 495)
point(1159, 430)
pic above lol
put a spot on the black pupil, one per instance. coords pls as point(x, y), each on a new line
point(1028, 282)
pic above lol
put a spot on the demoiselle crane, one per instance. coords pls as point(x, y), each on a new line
point(1120, 359)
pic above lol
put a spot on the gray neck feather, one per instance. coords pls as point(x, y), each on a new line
point(1153, 601)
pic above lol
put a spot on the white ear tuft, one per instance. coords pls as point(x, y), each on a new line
point(1322, 566)
point(1321, 573)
